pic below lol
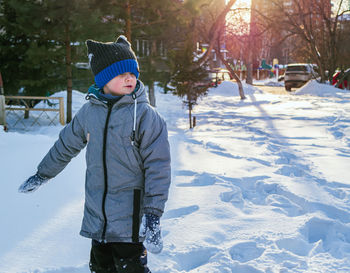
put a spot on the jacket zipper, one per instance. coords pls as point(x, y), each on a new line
point(110, 105)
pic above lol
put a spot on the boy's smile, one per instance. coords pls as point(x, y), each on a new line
point(120, 85)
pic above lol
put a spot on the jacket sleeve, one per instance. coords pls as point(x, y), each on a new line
point(71, 141)
point(155, 153)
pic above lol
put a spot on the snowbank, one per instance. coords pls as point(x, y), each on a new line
point(229, 89)
point(315, 88)
point(269, 82)
point(78, 99)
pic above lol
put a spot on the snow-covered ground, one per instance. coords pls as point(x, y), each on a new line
point(269, 82)
point(260, 185)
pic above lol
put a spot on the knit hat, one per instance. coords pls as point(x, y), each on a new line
point(108, 60)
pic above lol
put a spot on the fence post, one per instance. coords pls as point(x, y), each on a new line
point(61, 111)
point(2, 104)
point(2, 111)
point(26, 111)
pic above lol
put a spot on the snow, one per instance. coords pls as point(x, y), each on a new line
point(269, 82)
point(228, 88)
point(259, 185)
point(77, 97)
point(322, 90)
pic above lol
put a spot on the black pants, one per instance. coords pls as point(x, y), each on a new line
point(118, 258)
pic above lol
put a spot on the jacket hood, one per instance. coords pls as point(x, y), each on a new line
point(139, 93)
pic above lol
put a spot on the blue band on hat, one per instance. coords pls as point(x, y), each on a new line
point(115, 69)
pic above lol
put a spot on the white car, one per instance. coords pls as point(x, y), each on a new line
point(298, 74)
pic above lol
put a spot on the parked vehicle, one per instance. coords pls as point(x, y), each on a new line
point(341, 79)
point(298, 74)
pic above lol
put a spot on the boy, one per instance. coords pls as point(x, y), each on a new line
point(127, 158)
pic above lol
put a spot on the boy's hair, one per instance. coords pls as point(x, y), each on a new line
point(108, 60)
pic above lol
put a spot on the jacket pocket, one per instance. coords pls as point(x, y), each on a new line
point(134, 157)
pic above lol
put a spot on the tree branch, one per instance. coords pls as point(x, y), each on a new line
point(213, 32)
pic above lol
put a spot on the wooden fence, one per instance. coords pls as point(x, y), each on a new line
point(25, 103)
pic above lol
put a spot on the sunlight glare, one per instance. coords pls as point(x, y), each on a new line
point(238, 19)
point(241, 3)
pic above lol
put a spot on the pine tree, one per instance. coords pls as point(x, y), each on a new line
point(69, 24)
point(25, 56)
point(187, 76)
point(41, 39)
point(149, 21)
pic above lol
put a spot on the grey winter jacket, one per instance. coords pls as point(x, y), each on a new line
point(124, 179)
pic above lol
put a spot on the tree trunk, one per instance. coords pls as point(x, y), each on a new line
point(68, 73)
point(1, 86)
point(233, 75)
point(215, 31)
point(249, 78)
point(2, 105)
point(190, 113)
point(151, 96)
point(128, 21)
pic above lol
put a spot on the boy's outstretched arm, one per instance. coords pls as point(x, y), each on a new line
point(71, 141)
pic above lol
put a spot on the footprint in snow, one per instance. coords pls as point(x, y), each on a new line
point(216, 238)
point(285, 158)
point(244, 268)
point(344, 151)
point(337, 131)
point(226, 155)
point(185, 173)
point(245, 251)
point(187, 261)
point(327, 235)
point(284, 205)
point(200, 180)
point(295, 245)
point(181, 212)
point(234, 196)
point(291, 171)
point(214, 146)
point(338, 193)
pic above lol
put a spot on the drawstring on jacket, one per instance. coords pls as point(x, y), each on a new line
point(134, 125)
point(94, 91)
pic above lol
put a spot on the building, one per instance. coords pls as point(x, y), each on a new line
point(272, 43)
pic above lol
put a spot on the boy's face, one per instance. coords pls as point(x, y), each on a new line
point(122, 84)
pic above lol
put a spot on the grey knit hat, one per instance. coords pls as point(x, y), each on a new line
point(108, 60)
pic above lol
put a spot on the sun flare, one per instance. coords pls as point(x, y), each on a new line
point(239, 17)
point(240, 3)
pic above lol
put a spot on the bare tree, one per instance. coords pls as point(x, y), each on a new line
point(241, 35)
point(317, 26)
point(213, 36)
point(233, 75)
